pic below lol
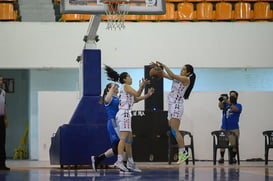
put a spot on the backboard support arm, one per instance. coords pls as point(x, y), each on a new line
point(91, 36)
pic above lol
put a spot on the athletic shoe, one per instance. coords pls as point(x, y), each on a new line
point(132, 167)
point(182, 157)
point(121, 166)
point(221, 160)
point(94, 165)
point(5, 168)
point(232, 161)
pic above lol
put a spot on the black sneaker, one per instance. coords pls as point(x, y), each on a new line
point(221, 160)
point(5, 168)
point(232, 161)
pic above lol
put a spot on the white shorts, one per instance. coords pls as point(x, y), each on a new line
point(124, 119)
point(175, 110)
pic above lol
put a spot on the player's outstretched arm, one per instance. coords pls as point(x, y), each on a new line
point(149, 93)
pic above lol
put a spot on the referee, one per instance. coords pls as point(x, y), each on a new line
point(3, 126)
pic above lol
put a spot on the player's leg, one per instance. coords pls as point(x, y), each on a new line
point(121, 147)
point(174, 115)
point(124, 125)
point(97, 159)
point(114, 138)
point(174, 124)
point(183, 155)
point(130, 162)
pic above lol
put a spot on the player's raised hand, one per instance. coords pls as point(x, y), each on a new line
point(151, 91)
point(143, 82)
point(154, 64)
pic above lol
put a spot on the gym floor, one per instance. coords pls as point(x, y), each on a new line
point(25, 170)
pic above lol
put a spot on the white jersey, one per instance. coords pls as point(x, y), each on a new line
point(177, 92)
point(124, 116)
point(2, 102)
point(126, 100)
point(176, 99)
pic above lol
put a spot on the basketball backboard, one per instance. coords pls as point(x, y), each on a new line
point(96, 7)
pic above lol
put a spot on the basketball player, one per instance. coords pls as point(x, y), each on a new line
point(110, 100)
point(181, 88)
point(127, 97)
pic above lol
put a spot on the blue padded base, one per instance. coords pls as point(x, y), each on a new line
point(74, 144)
point(89, 111)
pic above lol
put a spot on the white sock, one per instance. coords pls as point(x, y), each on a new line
point(131, 160)
point(120, 158)
point(124, 155)
point(181, 150)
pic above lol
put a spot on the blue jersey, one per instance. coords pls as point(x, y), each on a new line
point(230, 118)
point(112, 107)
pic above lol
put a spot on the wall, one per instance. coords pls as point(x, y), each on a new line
point(45, 80)
point(49, 45)
point(46, 46)
point(17, 108)
point(51, 116)
point(47, 117)
point(58, 80)
point(201, 117)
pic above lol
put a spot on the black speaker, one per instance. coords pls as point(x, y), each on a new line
point(150, 136)
point(155, 102)
point(142, 134)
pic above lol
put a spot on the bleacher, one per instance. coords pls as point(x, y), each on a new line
point(200, 11)
point(176, 11)
point(9, 10)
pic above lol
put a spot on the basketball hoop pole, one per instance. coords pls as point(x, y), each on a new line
point(90, 40)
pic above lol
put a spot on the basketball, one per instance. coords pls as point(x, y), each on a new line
point(156, 72)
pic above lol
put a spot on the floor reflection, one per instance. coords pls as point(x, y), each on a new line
point(226, 174)
point(181, 173)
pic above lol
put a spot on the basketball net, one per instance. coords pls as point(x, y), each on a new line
point(116, 12)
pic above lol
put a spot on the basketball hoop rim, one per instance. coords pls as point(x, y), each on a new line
point(115, 2)
point(116, 11)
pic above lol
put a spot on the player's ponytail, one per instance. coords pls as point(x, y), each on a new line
point(192, 77)
point(111, 73)
point(114, 76)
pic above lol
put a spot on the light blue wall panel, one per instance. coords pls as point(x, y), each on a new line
point(216, 79)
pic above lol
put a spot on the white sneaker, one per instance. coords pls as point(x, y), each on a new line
point(121, 166)
point(132, 167)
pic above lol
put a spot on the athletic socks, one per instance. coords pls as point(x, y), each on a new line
point(130, 160)
point(120, 158)
point(181, 150)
